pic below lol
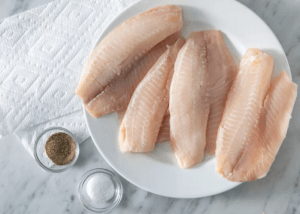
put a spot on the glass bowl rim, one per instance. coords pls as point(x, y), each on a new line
point(119, 186)
point(68, 166)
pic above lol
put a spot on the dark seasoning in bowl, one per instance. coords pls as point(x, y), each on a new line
point(60, 148)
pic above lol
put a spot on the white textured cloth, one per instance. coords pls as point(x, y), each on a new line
point(42, 54)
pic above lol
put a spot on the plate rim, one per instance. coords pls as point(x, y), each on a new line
point(104, 32)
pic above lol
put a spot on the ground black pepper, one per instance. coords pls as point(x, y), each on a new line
point(60, 148)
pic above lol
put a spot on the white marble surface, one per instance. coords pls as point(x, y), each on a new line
point(25, 188)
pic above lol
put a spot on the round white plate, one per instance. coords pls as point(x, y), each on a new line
point(158, 172)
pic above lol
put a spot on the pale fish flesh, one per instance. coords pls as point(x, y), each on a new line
point(189, 102)
point(222, 71)
point(242, 111)
point(117, 95)
point(127, 43)
point(148, 105)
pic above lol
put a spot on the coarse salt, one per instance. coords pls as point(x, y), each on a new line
point(100, 188)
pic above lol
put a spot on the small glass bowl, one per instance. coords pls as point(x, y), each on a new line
point(100, 207)
point(40, 153)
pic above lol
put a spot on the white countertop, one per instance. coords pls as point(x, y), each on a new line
point(26, 188)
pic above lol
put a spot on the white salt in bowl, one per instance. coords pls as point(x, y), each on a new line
point(105, 195)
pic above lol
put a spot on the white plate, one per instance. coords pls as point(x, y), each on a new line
point(158, 172)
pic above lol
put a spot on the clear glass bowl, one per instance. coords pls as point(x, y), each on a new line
point(40, 153)
point(100, 207)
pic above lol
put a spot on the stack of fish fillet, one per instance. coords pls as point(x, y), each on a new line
point(189, 92)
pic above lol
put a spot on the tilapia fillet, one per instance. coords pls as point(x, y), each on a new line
point(164, 132)
point(147, 107)
point(189, 102)
point(242, 110)
point(127, 43)
point(266, 138)
point(117, 95)
point(222, 71)
point(271, 130)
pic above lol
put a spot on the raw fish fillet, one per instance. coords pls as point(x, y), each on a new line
point(147, 107)
point(271, 130)
point(189, 102)
point(164, 132)
point(265, 140)
point(242, 110)
point(126, 44)
point(117, 95)
point(222, 71)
